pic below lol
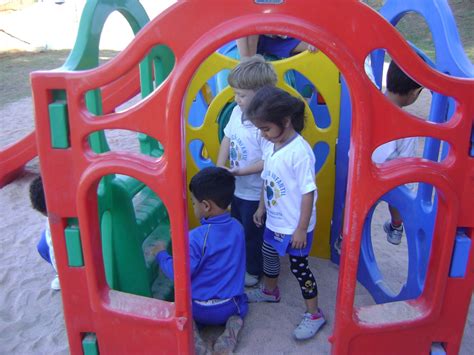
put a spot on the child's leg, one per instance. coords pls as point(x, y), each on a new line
point(395, 215)
point(199, 344)
point(227, 341)
point(271, 270)
point(313, 318)
point(243, 211)
point(394, 227)
point(271, 267)
point(309, 289)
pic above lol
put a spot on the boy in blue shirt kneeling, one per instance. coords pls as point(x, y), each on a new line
point(217, 259)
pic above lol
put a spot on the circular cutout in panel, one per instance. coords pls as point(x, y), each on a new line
point(122, 140)
point(313, 97)
point(392, 260)
point(321, 152)
point(132, 87)
point(132, 220)
point(396, 244)
point(411, 147)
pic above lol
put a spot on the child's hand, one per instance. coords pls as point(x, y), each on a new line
point(160, 246)
point(258, 217)
point(312, 49)
point(298, 239)
point(235, 171)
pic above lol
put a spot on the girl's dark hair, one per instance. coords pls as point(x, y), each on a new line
point(271, 104)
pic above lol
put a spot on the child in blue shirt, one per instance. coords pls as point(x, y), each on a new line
point(45, 244)
point(217, 258)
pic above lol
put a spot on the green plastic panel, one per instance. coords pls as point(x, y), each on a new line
point(73, 246)
point(90, 345)
point(59, 125)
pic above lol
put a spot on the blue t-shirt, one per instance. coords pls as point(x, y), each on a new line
point(278, 46)
point(217, 259)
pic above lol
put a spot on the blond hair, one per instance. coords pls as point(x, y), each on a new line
point(252, 74)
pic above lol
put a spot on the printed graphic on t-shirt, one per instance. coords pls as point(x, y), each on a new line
point(237, 152)
point(274, 190)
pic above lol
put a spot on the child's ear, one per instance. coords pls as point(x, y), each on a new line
point(287, 122)
point(207, 205)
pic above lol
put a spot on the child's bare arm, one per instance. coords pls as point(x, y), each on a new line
point(255, 168)
point(258, 216)
point(298, 240)
point(223, 152)
point(247, 46)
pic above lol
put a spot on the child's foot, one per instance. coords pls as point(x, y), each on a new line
point(394, 234)
point(262, 295)
point(55, 284)
point(338, 244)
point(309, 325)
point(250, 280)
point(228, 340)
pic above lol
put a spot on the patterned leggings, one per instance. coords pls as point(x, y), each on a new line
point(298, 265)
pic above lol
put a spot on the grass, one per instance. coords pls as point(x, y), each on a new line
point(15, 67)
point(415, 29)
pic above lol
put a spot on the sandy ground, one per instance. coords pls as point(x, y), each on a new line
point(31, 320)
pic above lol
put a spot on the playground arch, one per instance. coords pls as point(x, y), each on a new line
point(95, 308)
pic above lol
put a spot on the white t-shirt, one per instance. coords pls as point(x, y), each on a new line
point(400, 148)
point(245, 149)
point(288, 174)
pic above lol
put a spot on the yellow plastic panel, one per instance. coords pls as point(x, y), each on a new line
point(323, 74)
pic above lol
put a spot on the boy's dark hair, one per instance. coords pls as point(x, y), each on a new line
point(398, 82)
point(214, 184)
point(37, 198)
point(271, 104)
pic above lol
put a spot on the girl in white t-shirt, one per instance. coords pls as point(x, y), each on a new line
point(288, 199)
point(242, 146)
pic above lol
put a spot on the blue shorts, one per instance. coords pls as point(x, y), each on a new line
point(217, 314)
point(276, 46)
point(282, 243)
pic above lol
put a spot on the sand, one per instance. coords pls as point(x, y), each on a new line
point(31, 319)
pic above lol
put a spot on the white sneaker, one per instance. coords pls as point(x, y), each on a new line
point(250, 280)
point(308, 326)
point(55, 284)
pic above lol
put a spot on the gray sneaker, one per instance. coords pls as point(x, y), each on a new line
point(262, 295)
point(394, 235)
point(309, 326)
point(250, 280)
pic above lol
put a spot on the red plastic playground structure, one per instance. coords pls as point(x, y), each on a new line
point(71, 107)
